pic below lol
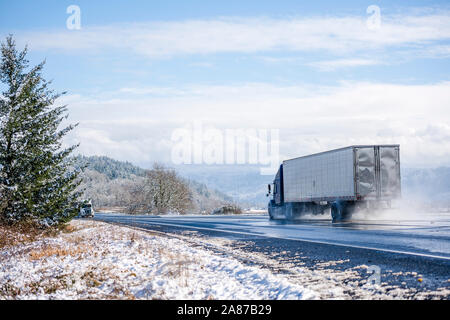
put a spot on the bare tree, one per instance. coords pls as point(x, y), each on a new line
point(168, 191)
point(140, 200)
point(160, 191)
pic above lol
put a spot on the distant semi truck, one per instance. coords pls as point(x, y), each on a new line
point(86, 209)
point(343, 180)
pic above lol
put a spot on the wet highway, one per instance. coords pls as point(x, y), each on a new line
point(428, 236)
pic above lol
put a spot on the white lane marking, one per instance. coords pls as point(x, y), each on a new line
point(305, 240)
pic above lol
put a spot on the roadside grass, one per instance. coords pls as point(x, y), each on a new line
point(48, 251)
point(81, 245)
point(18, 234)
point(22, 233)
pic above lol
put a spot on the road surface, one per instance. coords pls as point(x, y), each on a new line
point(415, 237)
point(398, 247)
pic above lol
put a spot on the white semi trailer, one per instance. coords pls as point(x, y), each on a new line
point(346, 179)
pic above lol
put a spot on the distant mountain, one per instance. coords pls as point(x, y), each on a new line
point(207, 199)
point(243, 183)
point(431, 184)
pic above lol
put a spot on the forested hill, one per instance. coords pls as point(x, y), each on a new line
point(113, 169)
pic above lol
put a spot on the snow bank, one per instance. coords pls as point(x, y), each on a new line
point(101, 261)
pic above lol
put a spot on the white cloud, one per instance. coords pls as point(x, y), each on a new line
point(439, 51)
point(139, 127)
point(331, 65)
point(249, 35)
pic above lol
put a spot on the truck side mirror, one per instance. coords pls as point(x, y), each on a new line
point(268, 188)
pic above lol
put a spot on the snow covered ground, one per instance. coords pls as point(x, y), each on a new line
point(102, 261)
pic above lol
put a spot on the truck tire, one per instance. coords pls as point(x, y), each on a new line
point(270, 214)
point(337, 211)
point(342, 210)
point(288, 214)
point(270, 209)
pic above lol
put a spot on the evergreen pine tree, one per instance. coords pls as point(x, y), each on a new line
point(36, 180)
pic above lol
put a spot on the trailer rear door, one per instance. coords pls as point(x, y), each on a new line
point(365, 171)
point(378, 172)
point(390, 172)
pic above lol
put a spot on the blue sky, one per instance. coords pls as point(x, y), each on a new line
point(114, 68)
point(315, 70)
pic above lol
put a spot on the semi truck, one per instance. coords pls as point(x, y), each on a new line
point(86, 209)
point(360, 177)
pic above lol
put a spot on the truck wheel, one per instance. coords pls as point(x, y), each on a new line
point(287, 208)
point(270, 214)
point(342, 210)
point(270, 209)
point(337, 211)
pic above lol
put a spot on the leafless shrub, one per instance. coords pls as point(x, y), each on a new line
point(161, 191)
point(228, 209)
